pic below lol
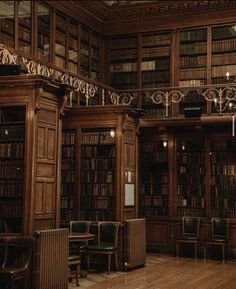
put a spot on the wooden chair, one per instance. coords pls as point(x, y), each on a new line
point(107, 243)
point(190, 234)
point(219, 235)
point(15, 259)
point(76, 249)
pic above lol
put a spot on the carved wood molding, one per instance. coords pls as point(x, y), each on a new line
point(38, 94)
point(153, 10)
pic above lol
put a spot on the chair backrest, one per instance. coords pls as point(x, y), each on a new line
point(17, 251)
point(191, 226)
point(220, 228)
point(108, 233)
point(79, 226)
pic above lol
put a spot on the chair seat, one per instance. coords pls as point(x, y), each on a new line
point(187, 238)
point(100, 248)
point(74, 258)
point(12, 270)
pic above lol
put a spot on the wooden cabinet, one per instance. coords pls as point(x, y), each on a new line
point(105, 180)
point(30, 128)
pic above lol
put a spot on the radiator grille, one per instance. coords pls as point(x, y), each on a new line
point(51, 259)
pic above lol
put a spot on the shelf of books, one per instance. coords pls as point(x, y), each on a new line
point(24, 27)
point(155, 67)
point(97, 192)
point(95, 56)
point(68, 171)
point(154, 180)
point(123, 65)
point(191, 179)
point(12, 139)
point(7, 24)
point(223, 178)
point(43, 40)
point(60, 42)
point(193, 65)
point(84, 51)
point(73, 47)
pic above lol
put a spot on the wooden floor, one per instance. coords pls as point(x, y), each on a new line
point(165, 272)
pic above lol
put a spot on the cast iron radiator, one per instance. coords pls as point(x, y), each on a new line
point(135, 243)
point(51, 259)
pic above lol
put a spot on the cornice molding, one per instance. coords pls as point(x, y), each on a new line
point(153, 10)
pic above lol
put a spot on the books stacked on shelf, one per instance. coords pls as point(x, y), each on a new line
point(97, 174)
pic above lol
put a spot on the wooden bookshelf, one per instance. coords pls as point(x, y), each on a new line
point(73, 47)
point(154, 175)
point(12, 139)
point(84, 51)
point(43, 31)
point(191, 177)
point(223, 178)
point(123, 63)
point(97, 198)
point(68, 172)
point(193, 65)
point(24, 27)
point(60, 41)
point(7, 24)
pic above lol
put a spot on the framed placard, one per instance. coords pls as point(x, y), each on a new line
point(129, 194)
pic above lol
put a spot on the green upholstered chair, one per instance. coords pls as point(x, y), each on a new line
point(79, 226)
point(107, 243)
point(15, 253)
point(190, 234)
point(219, 235)
point(74, 261)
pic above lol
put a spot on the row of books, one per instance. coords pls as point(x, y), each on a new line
point(97, 189)
point(124, 43)
point(91, 203)
point(223, 169)
point(12, 149)
point(12, 132)
point(155, 40)
point(223, 180)
point(224, 155)
point(67, 189)
point(197, 73)
point(11, 168)
point(11, 188)
point(192, 82)
point(193, 61)
point(125, 67)
point(97, 138)
point(189, 189)
point(191, 201)
point(156, 201)
point(189, 157)
point(99, 176)
point(98, 164)
point(155, 76)
point(67, 203)
point(68, 152)
point(193, 35)
point(68, 137)
point(191, 171)
point(222, 59)
point(155, 51)
point(193, 212)
point(67, 176)
point(124, 54)
point(153, 177)
point(224, 45)
point(10, 208)
point(223, 203)
point(223, 191)
point(68, 164)
point(154, 189)
point(221, 70)
point(193, 48)
point(158, 156)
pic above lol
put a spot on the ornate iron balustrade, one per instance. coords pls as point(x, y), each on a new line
point(223, 97)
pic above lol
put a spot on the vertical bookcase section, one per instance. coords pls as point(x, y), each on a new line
point(155, 67)
point(123, 66)
point(223, 178)
point(68, 171)
point(223, 53)
point(154, 180)
point(193, 65)
point(12, 139)
point(191, 183)
point(97, 196)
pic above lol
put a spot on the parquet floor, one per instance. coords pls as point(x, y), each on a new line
point(165, 272)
